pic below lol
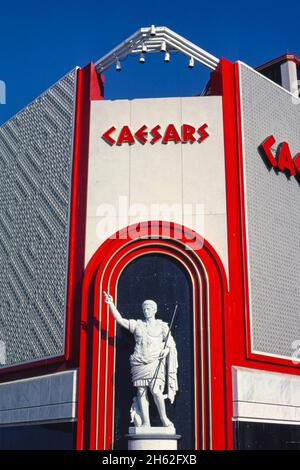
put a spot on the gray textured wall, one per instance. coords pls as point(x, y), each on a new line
point(35, 185)
point(273, 216)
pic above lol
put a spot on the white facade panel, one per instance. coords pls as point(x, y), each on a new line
point(155, 175)
point(179, 182)
point(265, 396)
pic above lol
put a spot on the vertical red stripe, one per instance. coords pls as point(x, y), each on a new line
point(89, 86)
point(223, 82)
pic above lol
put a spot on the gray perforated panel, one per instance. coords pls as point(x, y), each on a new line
point(35, 185)
point(273, 216)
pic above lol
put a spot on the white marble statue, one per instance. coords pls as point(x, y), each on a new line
point(153, 362)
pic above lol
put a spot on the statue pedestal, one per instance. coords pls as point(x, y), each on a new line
point(152, 438)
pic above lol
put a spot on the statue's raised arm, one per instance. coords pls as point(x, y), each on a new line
point(115, 312)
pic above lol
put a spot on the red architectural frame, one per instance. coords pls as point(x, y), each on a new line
point(95, 400)
point(249, 353)
point(225, 82)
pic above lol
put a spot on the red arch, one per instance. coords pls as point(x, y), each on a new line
point(95, 417)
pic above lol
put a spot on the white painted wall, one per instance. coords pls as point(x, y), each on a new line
point(148, 174)
point(265, 396)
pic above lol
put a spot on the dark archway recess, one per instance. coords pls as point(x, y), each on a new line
point(165, 280)
point(99, 424)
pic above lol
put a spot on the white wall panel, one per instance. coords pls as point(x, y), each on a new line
point(265, 396)
point(191, 176)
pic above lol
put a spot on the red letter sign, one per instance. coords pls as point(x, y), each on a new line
point(285, 160)
point(106, 136)
point(142, 134)
point(156, 134)
point(203, 133)
point(171, 135)
point(188, 133)
point(297, 163)
point(266, 147)
point(125, 136)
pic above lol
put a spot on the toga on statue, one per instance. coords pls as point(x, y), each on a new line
point(149, 343)
point(153, 362)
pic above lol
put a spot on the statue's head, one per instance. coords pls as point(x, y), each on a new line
point(149, 308)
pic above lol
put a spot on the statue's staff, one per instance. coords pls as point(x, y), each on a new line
point(142, 360)
point(165, 347)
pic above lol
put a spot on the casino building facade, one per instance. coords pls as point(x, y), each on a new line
point(194, 200)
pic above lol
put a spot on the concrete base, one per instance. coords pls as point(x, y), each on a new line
point(152, 438)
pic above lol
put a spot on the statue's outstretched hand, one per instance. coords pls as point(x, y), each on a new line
point(114, 311)
point(108, 298)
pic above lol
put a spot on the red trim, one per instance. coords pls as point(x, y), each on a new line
point(105, 416)
point(242, 202)
point(105, 267)
point(89, 86)
point(258, 357)
point(283, 58)
point(225, 82)
point(32, 369)
point(143, 248)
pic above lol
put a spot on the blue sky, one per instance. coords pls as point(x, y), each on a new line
point(41, 41)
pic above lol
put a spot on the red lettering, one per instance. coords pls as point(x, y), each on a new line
point(285, 160)
point(171, 135)
point(188, 133)
point(203, 133)
point(107, 137)
point(142, 134)
point(297, 163)
point(266, 150)
point(125, 136)
point(156, 134)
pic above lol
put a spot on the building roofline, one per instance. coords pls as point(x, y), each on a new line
point(283, 58)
